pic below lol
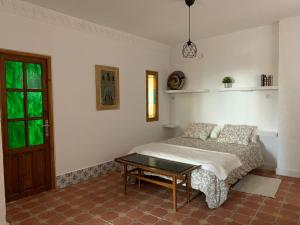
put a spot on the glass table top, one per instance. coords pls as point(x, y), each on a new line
point(158, 163)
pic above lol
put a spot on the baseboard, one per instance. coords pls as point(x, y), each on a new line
point(81, 175)
point(289, 173)
point(268, 167)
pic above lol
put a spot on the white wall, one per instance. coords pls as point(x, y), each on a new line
point(244, 55)
point(289, 107)
point(84, 136)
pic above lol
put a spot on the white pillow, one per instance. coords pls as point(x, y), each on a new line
point(216, 132)
point(254, 137)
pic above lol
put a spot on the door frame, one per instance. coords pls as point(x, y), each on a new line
point(50, 105)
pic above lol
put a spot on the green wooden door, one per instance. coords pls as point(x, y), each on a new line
point(25, 125)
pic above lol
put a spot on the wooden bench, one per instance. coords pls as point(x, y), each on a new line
point(177, 171)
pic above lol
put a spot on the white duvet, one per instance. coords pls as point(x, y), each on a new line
point(220, 163)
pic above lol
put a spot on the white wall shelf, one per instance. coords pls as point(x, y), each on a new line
point(270, 88)
point(267, 88)
point(265, 133)
point(186, 91)
point(170, 125)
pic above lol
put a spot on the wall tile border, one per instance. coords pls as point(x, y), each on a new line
point(78, 176)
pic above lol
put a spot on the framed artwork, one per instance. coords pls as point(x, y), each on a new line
point(107, 88)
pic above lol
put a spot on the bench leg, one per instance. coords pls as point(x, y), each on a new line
point(125, 179)
point(139, 180)
point(188, 187)
point(174, 188)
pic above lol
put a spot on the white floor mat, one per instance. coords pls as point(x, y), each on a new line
point(259, 185)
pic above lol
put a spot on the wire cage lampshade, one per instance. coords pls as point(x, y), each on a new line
point(189, 48)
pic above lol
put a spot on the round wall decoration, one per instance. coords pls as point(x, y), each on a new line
point(176, 80)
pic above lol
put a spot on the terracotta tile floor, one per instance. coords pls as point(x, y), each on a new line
point(101, 202)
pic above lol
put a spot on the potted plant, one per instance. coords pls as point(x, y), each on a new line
point(227, 81)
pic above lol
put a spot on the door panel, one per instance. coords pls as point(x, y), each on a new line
point(40, 166)
point(26, 171)
point(12, 182)
point(27, 149)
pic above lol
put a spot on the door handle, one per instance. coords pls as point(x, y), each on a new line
point(46, 125)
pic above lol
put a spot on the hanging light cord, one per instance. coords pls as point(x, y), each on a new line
point(189, 23)
point(189, 48)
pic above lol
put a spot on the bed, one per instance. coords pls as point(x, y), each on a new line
point(216, 187)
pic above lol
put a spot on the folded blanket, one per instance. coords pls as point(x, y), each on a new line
point(220, 163)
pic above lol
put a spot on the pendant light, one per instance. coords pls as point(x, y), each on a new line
point(189, 48)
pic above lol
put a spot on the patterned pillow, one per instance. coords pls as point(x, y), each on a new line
point(199, 130)
point(236, 134)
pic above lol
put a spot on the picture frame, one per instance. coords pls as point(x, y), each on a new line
point(107, 88)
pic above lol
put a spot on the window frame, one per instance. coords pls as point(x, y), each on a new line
point(156, 118)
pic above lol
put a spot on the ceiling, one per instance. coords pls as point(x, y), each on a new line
point(166, 21)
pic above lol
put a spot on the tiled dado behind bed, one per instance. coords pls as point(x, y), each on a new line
point(85, 174)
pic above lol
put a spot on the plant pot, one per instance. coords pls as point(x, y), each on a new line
point(227, 85)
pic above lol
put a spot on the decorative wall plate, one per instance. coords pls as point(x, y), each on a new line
point(176, 80)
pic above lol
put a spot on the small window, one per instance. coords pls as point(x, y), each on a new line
point(152, 95)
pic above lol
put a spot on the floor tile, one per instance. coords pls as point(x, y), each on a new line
point(100, 201)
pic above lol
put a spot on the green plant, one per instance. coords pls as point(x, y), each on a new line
point(227, 80)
